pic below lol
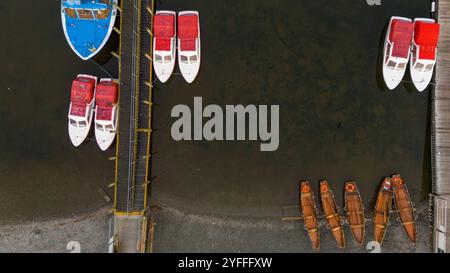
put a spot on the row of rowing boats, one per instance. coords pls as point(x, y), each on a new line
point(88, 96)
point(393, 188)
point(413, 42)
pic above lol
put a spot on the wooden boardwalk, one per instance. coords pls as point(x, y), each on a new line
point(134, 129)
point(135, 106)
point(440, 132)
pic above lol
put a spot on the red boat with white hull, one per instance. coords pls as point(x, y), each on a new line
point(81, 108)
point(106, 111)
point(164, 44)
point(189, 44)
point(424, 52)
point(397, 50)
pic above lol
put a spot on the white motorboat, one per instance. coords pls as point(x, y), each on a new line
point(397, 50)
point(164, 44)
point(189, 44)
point(81, 108)
point(106, 111)
point(424, 52)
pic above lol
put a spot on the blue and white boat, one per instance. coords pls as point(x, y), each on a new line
point(88, 24)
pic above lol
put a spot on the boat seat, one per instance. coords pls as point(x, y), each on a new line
point(380, 226)
point(308, 217)
point(409, 223)
point(380, 213)
point(357, 226)
point(336, 228)
point(313, 230)
point(333, 216)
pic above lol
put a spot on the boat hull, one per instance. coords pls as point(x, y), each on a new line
point(81, 52)
point(190, 71)
point(309, 214)
point(163, 70)
point(383, 208)
point(393, 78)
point(355, 211)
point(404, 207)
point(331, 213)
point(420, 79)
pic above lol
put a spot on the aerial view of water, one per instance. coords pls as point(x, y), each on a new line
point(317, 60)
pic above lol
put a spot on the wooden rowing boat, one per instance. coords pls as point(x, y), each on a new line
point(331, 213)
point(309, 213)
point(382, 209)
point(355, 211)
point(404, 207)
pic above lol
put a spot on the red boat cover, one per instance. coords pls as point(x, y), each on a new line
point(106, 99)
point(401, 35)
point(164, 29)
point(427, 36)
point(188, 31)
point(81, 95)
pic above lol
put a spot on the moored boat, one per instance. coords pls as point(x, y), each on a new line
point(81, 108)
point(164, 44)
point(404, 207)
point(331, 213)
point(309, 214)
point(355, 211)
point(87, 24)
point(397, 50)
point(383, 208)
point(424, 52)
point(189, 44)
point(106, 113)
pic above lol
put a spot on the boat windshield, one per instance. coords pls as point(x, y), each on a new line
point(167, 59)
point(70, 12)
point(429, 67)
point(99, 127)
point(184, 59)
point(158, 58)
point(391, 65)
point(419, 66)
point(401, 66)
point(73, 122)
point(104, 128)
point(102, 13)
point(193, 59)
point(85, 14)
point(82, 124)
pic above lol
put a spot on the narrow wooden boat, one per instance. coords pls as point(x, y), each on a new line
point(309, 213)
point(403, 206)
point(382, 209)
point(331, 213)
point(355, 211)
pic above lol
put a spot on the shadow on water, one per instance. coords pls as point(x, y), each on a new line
point(379, 71)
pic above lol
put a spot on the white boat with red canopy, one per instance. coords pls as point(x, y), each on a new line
point(189, 44)
point(81, 108)
point(424, 52)
point(164, 44)
point(106, 113)
point(397, 50)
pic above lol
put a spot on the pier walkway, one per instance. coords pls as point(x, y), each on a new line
point(134, 129)
point(440, 133)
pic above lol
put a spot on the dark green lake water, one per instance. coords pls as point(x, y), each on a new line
point(318, 60)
